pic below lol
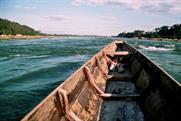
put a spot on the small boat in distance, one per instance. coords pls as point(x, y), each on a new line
point(118, 84)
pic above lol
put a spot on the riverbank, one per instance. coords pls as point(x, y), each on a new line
point(157, 39)
point(19, 36)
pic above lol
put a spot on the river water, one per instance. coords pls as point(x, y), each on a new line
point(31, 69)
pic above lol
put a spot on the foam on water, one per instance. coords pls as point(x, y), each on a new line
point(153, 48)
point(170, 45)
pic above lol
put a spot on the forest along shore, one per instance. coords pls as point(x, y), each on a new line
point(163, 33)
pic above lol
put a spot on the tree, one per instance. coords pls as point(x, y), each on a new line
point(163, 32)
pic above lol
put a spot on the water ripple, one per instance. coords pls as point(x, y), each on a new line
point(31, 69)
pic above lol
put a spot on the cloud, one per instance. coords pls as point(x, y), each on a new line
point(156, 6)
point(107, 18)
point(80, 24)
point(26, 7)
point(81, 18)
point(89, 2)
point(57, 17)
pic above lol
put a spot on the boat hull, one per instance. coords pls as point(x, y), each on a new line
point(142, 91)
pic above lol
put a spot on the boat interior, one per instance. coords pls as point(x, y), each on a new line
point(117, 84)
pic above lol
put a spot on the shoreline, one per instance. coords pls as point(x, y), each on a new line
point(19, 36)
point(157, 39)
point(8, 37)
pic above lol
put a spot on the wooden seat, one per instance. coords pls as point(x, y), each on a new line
point(119, 53)
point(121, 96)
point(121, 76)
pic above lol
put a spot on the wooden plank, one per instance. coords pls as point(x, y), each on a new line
point(119, 42)
point(121, 96)
point(120, 53)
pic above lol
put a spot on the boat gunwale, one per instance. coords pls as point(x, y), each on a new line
point(29, 114)
point(155, 64)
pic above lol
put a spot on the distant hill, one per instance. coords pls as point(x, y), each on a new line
point(7, 27)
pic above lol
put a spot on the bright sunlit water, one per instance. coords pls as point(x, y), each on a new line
point(31, 69)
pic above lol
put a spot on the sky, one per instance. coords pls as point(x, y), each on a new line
point(92, 17)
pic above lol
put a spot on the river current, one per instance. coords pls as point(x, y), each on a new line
point(31, 69)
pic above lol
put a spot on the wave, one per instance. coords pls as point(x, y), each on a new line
point(46, 73)
point(153, 48)
point(171, 45)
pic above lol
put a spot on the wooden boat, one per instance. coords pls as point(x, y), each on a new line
point(135, 89)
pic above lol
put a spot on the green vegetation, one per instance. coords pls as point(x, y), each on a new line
point(170, 32)
point(13, 28)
